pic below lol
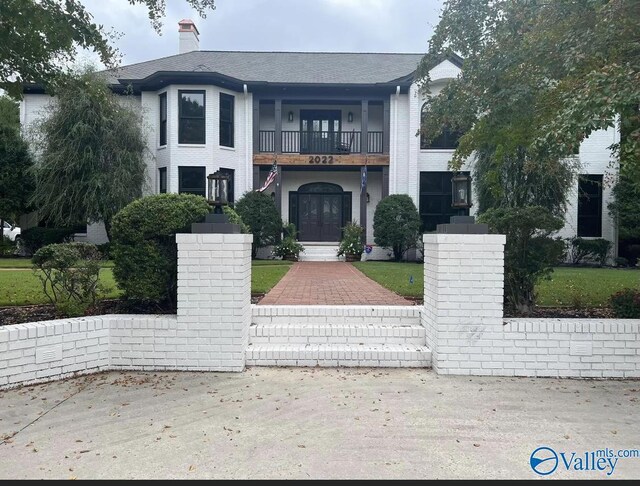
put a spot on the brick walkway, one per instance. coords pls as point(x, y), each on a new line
point(329, 283)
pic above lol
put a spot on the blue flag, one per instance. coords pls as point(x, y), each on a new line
point(363, 180)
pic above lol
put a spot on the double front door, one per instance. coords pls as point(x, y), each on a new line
point(320, 217)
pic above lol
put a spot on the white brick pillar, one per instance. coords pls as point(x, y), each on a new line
point(463, 300)
point(214, 301)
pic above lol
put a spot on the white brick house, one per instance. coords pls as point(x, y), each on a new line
point(324, 117)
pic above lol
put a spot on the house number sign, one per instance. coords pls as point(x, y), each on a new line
point(324, 159)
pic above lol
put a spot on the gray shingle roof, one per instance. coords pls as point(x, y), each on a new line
point(281, 67)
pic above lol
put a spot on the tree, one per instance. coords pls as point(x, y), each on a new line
point(38, 38)
point(396, 224)
point(258, 211)
point(625, 209)
point(530, 252)
point(91, 162)
point(16, 179)
point(9, 112)
point(538, 75)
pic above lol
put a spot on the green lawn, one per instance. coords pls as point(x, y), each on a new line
point(22, 286)
point(591, 287)
point(585, 287)
point(266, 273)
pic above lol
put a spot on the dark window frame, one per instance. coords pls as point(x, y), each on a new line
point(163, 119)
point(430, 220)
point(199, 191)
point(227, 123)
point(162, 176)
point(181, 117)
point(447, 140)
point(590, 201)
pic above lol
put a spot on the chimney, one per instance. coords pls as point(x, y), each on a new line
point(188, 36)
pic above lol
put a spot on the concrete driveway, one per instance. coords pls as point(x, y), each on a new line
point(310, 423)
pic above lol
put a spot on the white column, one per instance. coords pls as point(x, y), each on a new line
point(214, 301)
point(463, 300)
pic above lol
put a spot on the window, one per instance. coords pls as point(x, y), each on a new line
point(231, 193)
point(163, 119)
point(162, 180)
point(435, 199)
point(192, 180)
point(226, 120)
point(590, 205)
point(448, 138)
point(191, 127)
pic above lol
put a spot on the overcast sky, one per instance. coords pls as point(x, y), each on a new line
point(276, 25)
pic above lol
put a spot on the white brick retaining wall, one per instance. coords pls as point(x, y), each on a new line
point(466, 332)
point(217, 329)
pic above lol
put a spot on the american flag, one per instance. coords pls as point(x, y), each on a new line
point(271, 177)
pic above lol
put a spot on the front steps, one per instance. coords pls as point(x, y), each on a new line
point(371, 336)
point(320, 252)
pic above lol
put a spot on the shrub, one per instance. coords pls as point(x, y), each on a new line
point(259, 213)
point(396, 224)
point(289, 247)
point(144, 247)
point(69, 273)
point(626, 304)
point(530, 251)
point(580, 250)
point(35, 238)
point(621, 262)
point(234, 218)
point(105, 250)
point(633, 253)
point(351, 242)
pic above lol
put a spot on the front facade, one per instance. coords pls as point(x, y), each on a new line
point(342, 129)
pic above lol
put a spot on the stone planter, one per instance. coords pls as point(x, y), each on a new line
point(352, 257)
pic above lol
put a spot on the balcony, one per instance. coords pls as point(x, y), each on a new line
point(321, 142)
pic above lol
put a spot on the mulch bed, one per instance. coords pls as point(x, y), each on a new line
point(35, 313)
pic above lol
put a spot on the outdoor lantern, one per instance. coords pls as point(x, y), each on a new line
point(350, 117)
point(218, 190)
point(461, 191)
point(291, 116)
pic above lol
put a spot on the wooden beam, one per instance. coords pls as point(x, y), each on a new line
point(317, 160)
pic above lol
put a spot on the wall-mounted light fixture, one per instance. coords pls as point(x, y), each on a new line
point(291, 116)
point(350, 117)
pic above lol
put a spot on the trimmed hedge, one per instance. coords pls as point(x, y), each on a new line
point(396, 224)
point(258, 211)
point(144, 247)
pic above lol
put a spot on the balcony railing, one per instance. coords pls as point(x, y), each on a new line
point(300, 142)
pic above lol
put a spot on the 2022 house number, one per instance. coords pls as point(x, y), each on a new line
point(325, 159)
